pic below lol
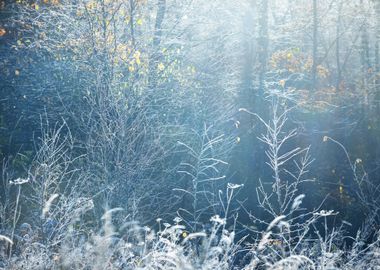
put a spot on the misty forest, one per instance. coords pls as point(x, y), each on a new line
point(190, 134)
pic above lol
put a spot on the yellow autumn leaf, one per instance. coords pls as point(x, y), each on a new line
point(36, 7)
point(322, 71)
point(161, 66)
point(136, 55)
point(139, 21)
point(131, 68)
point(91, 5)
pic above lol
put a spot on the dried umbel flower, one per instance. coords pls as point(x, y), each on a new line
point(19, 181)
point(325, 213)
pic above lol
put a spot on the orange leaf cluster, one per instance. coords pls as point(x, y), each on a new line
point(2, 32)
point(291, 60)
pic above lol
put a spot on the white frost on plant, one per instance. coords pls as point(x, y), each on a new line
point(275, 222)
point(297, 201)
point(48, 204)
point(218, 219)
point(177, 220)
point(6, 239)
point(264, 241)
point(234, 186)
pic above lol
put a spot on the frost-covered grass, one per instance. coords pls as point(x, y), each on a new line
point(173, 247)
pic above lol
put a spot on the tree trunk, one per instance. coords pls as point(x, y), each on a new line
point(248, 58)
point(338, 32)
point(364, 57)
point(315, 45)
point(377, 54)
point(155, 55)
point(263, 43)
